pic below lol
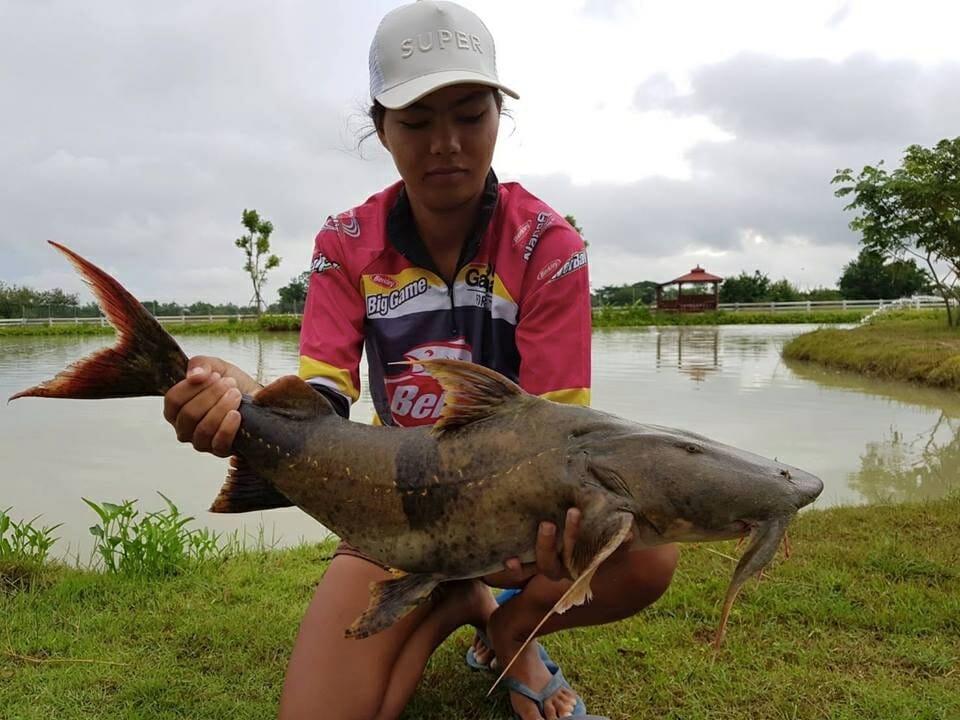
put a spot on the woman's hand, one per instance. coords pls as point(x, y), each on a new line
point(549, 560)
point(203, 408)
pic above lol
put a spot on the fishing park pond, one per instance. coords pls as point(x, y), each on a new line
point(870, 441)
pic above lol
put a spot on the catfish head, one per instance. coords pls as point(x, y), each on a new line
point(683, 487)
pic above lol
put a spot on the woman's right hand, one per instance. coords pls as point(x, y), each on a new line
point(203, 407)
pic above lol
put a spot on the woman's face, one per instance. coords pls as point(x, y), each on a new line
point(443, 144)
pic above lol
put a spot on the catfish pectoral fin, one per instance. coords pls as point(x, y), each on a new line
point(245, 491)
point(390, 600)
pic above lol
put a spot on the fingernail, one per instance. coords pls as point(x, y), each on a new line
point(547, 528)
point(196, 371)
point(231, 382)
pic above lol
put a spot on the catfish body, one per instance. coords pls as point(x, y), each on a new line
point(453, 501)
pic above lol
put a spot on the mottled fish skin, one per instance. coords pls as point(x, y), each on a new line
point(460, 503)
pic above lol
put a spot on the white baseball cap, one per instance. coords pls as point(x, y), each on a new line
point(427, 45)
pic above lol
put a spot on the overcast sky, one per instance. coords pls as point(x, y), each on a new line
point(676, 131)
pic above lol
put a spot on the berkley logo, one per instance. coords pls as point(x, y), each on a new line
point(521, 233)
point(384, 281)
point(381, 304)
point(548, 269)
point(576, 261)
point(415, 397)
point(544, 219)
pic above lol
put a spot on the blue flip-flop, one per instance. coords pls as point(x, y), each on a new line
point(539, 698)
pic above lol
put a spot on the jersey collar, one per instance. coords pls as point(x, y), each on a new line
point(402, 230)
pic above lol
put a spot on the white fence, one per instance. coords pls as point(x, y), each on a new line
point(165, 319)
point(919, 301)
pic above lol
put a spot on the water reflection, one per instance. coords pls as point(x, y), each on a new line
point(694, 351)
point(903, 465)
point(900, 469)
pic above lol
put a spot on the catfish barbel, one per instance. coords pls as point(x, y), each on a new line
point(450, 502)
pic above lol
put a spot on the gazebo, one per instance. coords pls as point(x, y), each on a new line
point(692, 302)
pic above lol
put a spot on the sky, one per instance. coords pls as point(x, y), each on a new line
point(678, 132)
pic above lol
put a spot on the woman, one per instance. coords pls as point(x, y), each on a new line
point(448, 262)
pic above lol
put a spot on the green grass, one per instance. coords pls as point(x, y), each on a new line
point(916, 346)
point(861, 623)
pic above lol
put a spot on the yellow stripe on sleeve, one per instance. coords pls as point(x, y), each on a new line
point(570, 396)
point(311, 369)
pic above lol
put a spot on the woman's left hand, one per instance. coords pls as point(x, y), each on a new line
point(551, 556)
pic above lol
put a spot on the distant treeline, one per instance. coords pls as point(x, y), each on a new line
point(868, 277)
point(19, 301)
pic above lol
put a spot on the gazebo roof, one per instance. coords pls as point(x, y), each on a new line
point(696, 275)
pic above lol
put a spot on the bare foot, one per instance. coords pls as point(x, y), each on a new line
point(529, 670)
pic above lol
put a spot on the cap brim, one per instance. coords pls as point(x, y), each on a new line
point(410, 91)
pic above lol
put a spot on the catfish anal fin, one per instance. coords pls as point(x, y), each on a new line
point(245, 491)
point(604, 538)
point(390, 600)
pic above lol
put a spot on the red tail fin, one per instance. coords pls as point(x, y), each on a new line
point(144, 361)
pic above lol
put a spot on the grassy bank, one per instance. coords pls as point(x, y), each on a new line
point(862, 622)
point(909, 345)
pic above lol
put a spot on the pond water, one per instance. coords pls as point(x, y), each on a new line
point(869, 441)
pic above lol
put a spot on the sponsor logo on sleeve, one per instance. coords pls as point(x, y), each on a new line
point(321, 263)
point(549, 269)
point(345, 223)
point(415, 397)
point(382, 303)
point(575, 262)
point(544, 220)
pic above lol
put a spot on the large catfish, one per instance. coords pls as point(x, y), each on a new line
point(453, 501)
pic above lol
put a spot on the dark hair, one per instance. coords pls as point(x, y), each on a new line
point(377, 112)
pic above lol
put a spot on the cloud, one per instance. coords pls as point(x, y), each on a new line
point(762, 198)
point(862, 99)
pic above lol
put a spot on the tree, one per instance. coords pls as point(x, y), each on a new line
point(868, 277)
point(256, 246)
point(294, 294)
point(913, 210)
point(745, 288)
point(624, 295)
point(573, 221)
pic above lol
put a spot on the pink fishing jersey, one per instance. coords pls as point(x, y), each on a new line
point(519, 304)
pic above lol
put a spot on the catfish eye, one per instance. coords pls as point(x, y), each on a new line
point(692, 449)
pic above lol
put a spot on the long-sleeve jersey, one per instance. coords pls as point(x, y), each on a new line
point(519, 304)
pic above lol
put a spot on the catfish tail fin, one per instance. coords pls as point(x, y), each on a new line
point(144, 361)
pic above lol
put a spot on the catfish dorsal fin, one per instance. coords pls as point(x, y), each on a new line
point(294, 397)
point(471, 392)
